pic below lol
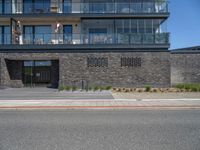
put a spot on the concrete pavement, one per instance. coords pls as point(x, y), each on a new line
point(43, 98)
point(97, 104)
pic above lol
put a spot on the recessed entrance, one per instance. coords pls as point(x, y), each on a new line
point(38, 73)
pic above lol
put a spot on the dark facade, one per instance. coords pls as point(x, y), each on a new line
point(95, 43)
point(185, 65)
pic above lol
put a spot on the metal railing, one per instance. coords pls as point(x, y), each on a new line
point(64, 7)
point(94, 38)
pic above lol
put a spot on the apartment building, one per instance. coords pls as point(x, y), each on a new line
point(84, 43)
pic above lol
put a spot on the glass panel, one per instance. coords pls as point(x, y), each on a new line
point(42, 63)
point(7, 6)
point(1, 6)
point(67, 34)
point(148, 38)
point(7, 35)
point(1, 35)
point(135, 7)
point(36, 6)
point(28, 63)
point(148, 7)
point(42, 34)
point(42, 6)
point(136, 38)
point(28, 6)
point(97, 7)
point(28, 35)
point(67, 6)
point(97, 35)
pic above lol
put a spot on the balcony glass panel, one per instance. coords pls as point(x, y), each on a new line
point(148, 7)
point(37, 35)
point(67, 34)
point(101, 31)
point(92, 6)
point(136, 38)
point(67, 6)
point(36, 6)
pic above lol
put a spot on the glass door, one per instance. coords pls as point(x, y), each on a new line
point(36, 72)
point(67, 34)
point(28, 73)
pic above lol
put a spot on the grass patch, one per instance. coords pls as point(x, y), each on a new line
point(189, 87)
point(147, 88)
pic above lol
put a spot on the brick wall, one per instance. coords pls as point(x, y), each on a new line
point(138, 69)
point(185, 68)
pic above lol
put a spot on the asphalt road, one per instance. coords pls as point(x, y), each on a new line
point(100, 130)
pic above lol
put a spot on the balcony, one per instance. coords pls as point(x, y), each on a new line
point(84, 8)
point(87, 39)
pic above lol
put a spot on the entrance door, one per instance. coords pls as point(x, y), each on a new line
point(36, 73)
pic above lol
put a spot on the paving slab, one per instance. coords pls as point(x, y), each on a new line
point(51, 94)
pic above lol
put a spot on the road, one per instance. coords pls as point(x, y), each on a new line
point(100, 130)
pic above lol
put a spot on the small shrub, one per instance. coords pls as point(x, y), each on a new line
point(155, 90)
point(148, 88)
point(189, 87)
point(194, 89)
point(127, 90)
point(67, 88)
point(140, 90)
point(90, 88)
point(120, 90)
point(74, 88)
point(114, 89)
point(96, 88)
point(108, 87)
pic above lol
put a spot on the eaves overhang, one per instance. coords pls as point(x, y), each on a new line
point(86, 15)
point(86, 48)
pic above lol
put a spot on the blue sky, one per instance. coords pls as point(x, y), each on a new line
point(184, 23)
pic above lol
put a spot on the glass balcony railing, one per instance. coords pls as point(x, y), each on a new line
point(94, 38)
point(67, 7)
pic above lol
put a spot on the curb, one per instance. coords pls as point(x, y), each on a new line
point(102, 107)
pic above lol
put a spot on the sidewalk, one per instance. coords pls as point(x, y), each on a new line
point(43, 98)
point(97, 104)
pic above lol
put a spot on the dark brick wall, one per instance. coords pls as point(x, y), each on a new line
point(154, 69)
point(185, 68)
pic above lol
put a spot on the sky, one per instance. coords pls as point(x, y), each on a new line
point(184, 23)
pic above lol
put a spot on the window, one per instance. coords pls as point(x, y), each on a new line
point(5, 35)
point(67, 6)
point(131, 62)
point(5, 6)
point(37, 34)
point(36, 6)
point(97, 62)
point(67, 34)
point(98, 36)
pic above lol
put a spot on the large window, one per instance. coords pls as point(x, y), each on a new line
point(5, 35)
point(36, 6)
point(67, 6)
point(37, 34)
point(5, 6)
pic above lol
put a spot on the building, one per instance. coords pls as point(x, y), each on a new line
point(185, 65)
point(84, 42)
